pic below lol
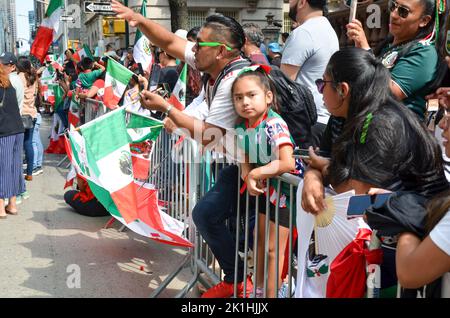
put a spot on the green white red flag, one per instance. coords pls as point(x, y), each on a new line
point(140, 127)
point(56, 144)
point(142, 52)
point(178, 97)
point(74, 111)
point(109, 160)
point(116, 81)
point(48, 30)
point(101, 156)
point(85, 51)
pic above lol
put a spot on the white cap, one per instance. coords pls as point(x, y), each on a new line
point(181, 33)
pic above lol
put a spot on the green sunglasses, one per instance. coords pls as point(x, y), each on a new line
point(214, 44)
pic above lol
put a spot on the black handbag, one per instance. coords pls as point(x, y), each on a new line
point(27, 121)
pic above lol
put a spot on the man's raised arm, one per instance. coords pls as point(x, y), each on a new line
point(157, 34)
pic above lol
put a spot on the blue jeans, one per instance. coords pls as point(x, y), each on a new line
point(209, 216)
point(38, 148)
point(28, 146)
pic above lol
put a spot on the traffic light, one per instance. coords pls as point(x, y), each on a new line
point(113, 26)
point(73, 44)
point(119, 26)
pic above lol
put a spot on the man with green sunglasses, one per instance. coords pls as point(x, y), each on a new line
point(217, 48)
point(213, 44)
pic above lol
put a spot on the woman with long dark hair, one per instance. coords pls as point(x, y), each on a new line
point(29, 79)
point(11, 144)
point(382, 145)
point(409, 51)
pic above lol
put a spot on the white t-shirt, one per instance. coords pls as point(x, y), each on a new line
point(17, 83)
point(438, 134)
point(221, 113)
point(198, 108)
point(310, 46)
point(440, 235)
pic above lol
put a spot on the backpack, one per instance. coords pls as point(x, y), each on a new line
point(296, 102)
point(296, 107)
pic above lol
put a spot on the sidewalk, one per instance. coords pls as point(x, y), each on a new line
point(44, 246)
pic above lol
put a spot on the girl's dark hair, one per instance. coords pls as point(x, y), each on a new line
point(365, 74)
point(429, 8)
point(24, 66)
point(397, 148)
point(226, 29)
point(437, 208)
point(265, 82)
point(70, 50)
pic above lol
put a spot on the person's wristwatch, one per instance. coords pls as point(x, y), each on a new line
point(168, 110)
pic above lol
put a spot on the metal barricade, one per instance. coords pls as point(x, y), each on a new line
point(91, 109)
point(182, 183)
point(174, 171)
point(208, 265)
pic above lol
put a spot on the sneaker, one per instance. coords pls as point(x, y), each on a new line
point(19, 199)
point(28, 178)
point(226, 290)
point(25, 195)
point(37, 171)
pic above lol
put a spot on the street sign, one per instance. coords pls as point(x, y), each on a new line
point(67, 18)
point(98, 7)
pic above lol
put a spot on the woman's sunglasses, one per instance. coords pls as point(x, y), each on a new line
point(320, 83)
point(402, 11)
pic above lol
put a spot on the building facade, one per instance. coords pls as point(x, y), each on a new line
point(11, 7)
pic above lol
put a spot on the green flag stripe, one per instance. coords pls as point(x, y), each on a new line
point(119, 72)
point(137, 121)
point(53, 6)
point(106, 135)
point(184, 73)
point(104, 198)
point(88, 52)
point(144, 14)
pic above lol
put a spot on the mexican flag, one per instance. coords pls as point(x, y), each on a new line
point(116, 81)
point(74, 111)
point(141, 128)
point(58, 94)
point(151, 221)
point(142, 49)
point(48, 30)
point(109, 160)
point(45, 82)
point(178, 97)
point(56, 144)
point(57, 66)
point(85, 51)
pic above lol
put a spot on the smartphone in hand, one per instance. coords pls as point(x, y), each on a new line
point(359, 203)
point(353, 7)
point(154, 77)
